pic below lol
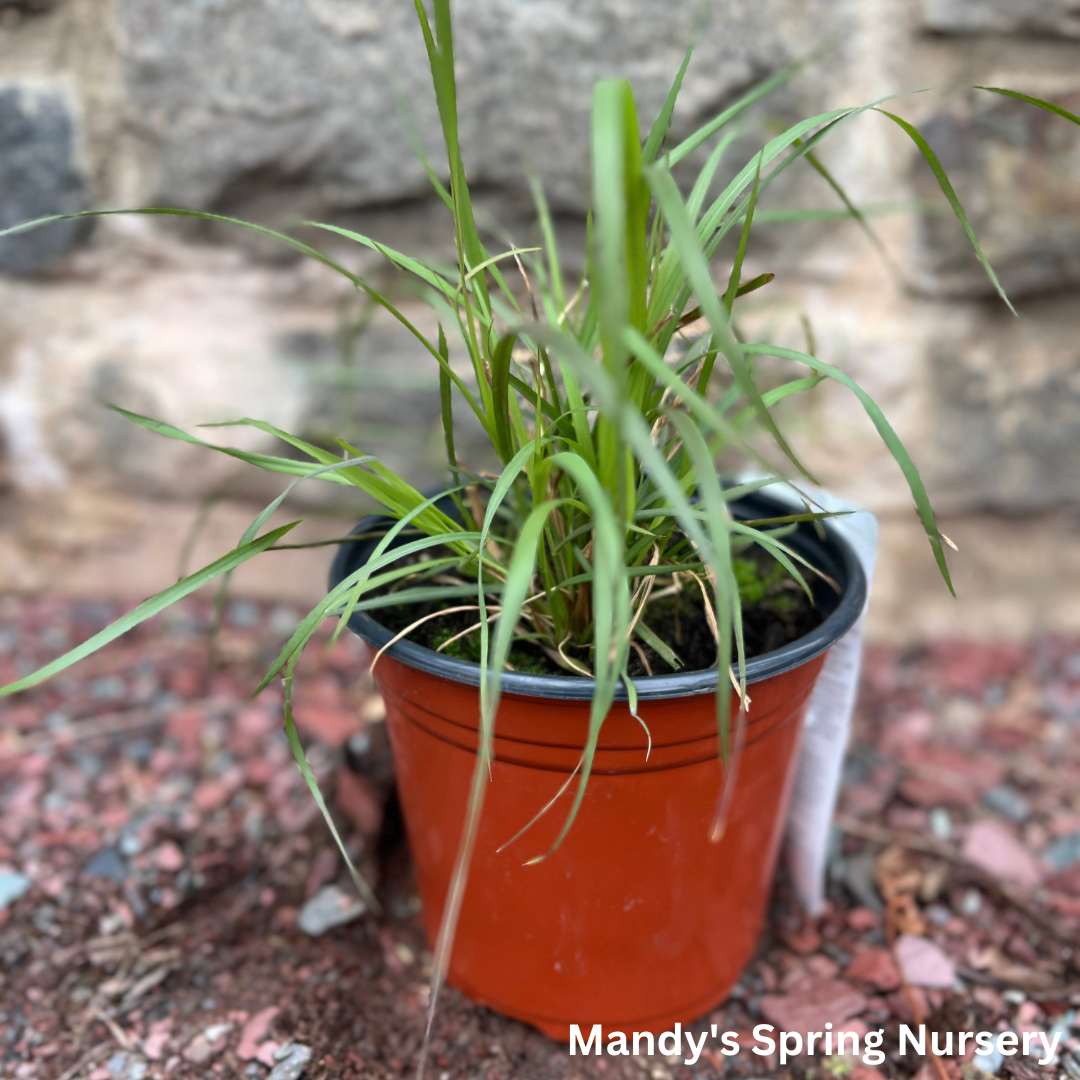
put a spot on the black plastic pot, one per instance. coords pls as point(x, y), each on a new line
point(833, 555)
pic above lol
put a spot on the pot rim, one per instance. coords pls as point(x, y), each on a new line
point(835, 550)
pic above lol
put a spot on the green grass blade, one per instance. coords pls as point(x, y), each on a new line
point(705, 177)
point(304, 765)
point(375, 560)
point(500, 389)
point(728, 609)
point(763, 89)
point(736, 267)
point(712, 225)
point(441, 56)
point(509, 474)
point(395, 258)
point(793, 215)
point(1049, 106)
point(267, 462)
point(611, 213)
point(481, 771)
point(854, 211)
point(576, 405)
point(150, 608)
point(577, 363)
point(297, 245)
point(778, 394)
point(412, 133)
point(492, 260)
point(341, 593)
point(620, 262)
point(697, 269)
point(390, 490)
point(267, 511)
point(551, 250)
point(888, 436)
point(264, 515)
point(754, 284)
point(661, 648)
point(947, 189)
point(655, 138)
point(711, 417)
point(446, 404)
point(786, 556)
point(611, 616)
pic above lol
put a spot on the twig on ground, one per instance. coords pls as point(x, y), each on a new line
point(115, 1030)
point(88, 1058)
point(106, 724)
point(891, 918)
point(878, 834)
point(1069, 992)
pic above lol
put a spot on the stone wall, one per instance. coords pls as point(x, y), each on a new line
point(282, 110)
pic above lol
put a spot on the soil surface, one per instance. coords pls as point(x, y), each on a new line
point(163, 870)
point(778, 612)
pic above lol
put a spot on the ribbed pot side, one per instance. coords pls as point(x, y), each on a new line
point(638, 919)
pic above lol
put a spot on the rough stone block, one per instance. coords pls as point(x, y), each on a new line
point(240, 98)
point(1006, 395)
point(28, 7)
point(38, 177)
point(1059, 17)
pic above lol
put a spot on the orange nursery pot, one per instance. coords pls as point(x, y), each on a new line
point(638, 920)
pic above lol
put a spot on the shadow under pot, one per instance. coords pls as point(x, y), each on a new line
point(637, 920)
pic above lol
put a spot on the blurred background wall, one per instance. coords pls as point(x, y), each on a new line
point(285, 110)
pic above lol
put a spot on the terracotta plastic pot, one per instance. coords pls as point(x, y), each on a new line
point(638, 920)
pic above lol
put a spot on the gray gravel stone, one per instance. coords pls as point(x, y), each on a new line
point(243, 613)
point(1008, 802)
point(125, 1065)
point(292, 1060)
point(971, 902)
point(328, 908)
point(858, 877)
point(108, 688)
point(108, 864)
point(129, 843)
point(941, 823)
point(12, 886)
point(990, 1063)
point(1065, 852)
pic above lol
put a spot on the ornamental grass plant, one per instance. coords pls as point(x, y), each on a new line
point(607, 401)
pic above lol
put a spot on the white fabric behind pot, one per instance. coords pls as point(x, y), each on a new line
point(828, 719)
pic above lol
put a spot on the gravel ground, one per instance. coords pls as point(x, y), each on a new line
point(169, 895)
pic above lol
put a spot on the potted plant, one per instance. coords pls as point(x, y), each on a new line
point(595, 661)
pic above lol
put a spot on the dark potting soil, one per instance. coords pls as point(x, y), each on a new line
point(775, 611)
